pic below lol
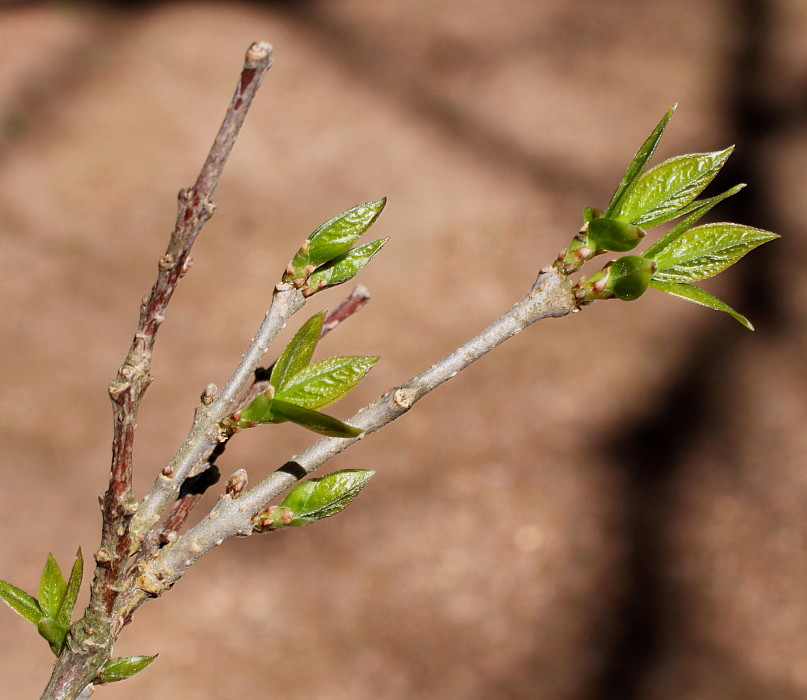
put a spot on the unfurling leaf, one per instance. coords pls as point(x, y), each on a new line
point(54, 632)
point(344, 267)
point(20, 602)
point(699, 296)
point(333, 238)
point(122, 668)
point(326, 381)
point(259, 410)
point(705, 251)
point(665, 191)
point(312, 420)
point(698, 212)
point(65, 613)
point(320, 498)
point(298, 353)
point(337, 236)
point(52, 588)
point(638, 164)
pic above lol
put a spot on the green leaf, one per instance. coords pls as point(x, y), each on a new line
point(65, 613)
point(320, 498)
point(259, 410)
point(313, 420)
point(326, 381)
point(298, 352)
point(20, 602)
point(705, 251)
point(700, 208)
point(52, 588)
point(344, 267)
point(699, 296)
point(122, 668)
point(334, 238)
point(662, 192)
point(638, 163)
point(337, 236)
point(54, 632)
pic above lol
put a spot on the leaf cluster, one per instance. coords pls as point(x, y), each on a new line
point(685, 254)
point(52, 612)
point(327, 257)
point(297, 387)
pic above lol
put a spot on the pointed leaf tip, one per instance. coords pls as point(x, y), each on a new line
point(316, 499)
point(20, 602)
point(699, 296)
point(663, 192)
point(325, 382)
point(705, 251)
point(313, 420)
point(298, 353)
point(638, 164)
point(344, 267)
point(52, 588)
point(337, 235)
point(65, 613)
point(120, 669)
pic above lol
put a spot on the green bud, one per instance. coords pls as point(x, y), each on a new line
point(629, 277)
point(590, 213)
point(610, 234)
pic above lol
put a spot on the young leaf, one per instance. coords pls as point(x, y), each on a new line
point(344, 267)
point(312, 420)
point(699, 296)
point(702, 208)
point(122, 668)
point(326, 381)
point(320, 498)
point(65, 613)
point(704, 251)
point(54, 632)
point(52, 588)
point(259, 410)
point(20, 602)
point(663, 192)
point(298, 352)
point(639, 162)
point(337, 236)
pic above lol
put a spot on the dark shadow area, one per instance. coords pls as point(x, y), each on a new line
point(651, 453)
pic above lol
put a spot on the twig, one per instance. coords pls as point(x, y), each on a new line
point(89, 643)
point(182, 507)
point(205, 432)
point(357, 300)
point(551, 296)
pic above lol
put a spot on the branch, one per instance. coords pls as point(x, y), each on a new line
point(182, 507)
point(551, 296)
point(93, 637)
point(205, 432)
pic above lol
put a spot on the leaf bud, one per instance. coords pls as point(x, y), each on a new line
point(272, 518)
point(629, 277)
point(237, 483)
point(590, 213)
point(615, 235)
point(210, 392)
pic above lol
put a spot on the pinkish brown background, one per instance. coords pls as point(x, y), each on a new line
point(613, 505)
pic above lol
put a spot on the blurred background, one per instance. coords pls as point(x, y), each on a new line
point(610, 506)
